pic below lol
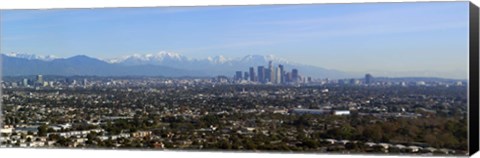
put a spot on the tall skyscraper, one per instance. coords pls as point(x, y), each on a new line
point(282, 73)
point(245, 76)
point(40, 79)
point(238, 75)
point(85, 82)
point(252, 74)
point(267, 75)
point(261, 74)
point(272, 72)
point(368, 79)
point(295, 76)
point(288, 77)
point(25, 82)
point(278, 78)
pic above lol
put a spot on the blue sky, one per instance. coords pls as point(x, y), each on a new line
point(396, 39)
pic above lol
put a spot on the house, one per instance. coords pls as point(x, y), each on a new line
point(43, 139)
point(413, 148)
point(158, 145)
point(6, 129)
point(140, 134)
point(65, 126)
point(55, 127)
point(370, 144)
point(344, 142)
point(429, 149)
point(384, 145)
point(103, 138)
point(26, 129)
point(81, 140)
point(330, 141)
point(50, 143)
point(24, 145)
point(96, 130)
point(310, 111)
point(37, 144)
point(249, 129)
point(399, 146)
point(444, 151)
point(341, 112)
point(280, 111)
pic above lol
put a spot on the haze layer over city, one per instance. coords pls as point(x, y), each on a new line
point(380, 78)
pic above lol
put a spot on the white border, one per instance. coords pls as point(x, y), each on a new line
point(50, 4)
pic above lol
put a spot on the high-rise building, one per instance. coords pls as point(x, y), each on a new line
point(245, 76)
point(252, 74)
point(272, 72)
point(295, 76)
point(70, 81)
point(368, 79)
point(288, 77)
point(25, 82)
point(40, 79)
point(267, 75)
point(278, 78)
point(238, 75)
point(282, 73)
point(261, 74)
point(85, 82)
point(352, 81)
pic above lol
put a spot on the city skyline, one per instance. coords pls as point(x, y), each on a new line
point(360, 38)
point(166, 58)
point(271, 75)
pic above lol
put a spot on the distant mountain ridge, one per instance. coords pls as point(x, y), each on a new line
point(161, 64)
point(163, 57)
point(31, 56)
point(83, 65)
point(225, 66)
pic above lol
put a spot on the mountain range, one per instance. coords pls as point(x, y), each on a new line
point(160, 64)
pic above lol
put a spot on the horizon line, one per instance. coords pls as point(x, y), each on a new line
point(209, 76)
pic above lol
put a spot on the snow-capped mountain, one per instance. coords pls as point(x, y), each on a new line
point(31, 56)
point(220, 59)
point(263, 59)
point(164, 58)
point(218, 65)
point(162, 63)
point(84, 65)
point(150, 59)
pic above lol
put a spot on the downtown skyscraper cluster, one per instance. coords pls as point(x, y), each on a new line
point(269, 74)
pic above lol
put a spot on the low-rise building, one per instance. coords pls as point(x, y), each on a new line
point(341, 112)
point(140, 134)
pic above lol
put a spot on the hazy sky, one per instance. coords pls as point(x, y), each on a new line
point(384, 38)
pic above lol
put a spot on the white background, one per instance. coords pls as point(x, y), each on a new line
point(51, 153)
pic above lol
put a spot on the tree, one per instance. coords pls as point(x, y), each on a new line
point(250, 145)
point(225, 145)
point(42, 130)
point(373, 133)
point(311, 144)
point(351, 146)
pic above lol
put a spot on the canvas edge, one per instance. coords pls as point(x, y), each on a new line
point(473, 134)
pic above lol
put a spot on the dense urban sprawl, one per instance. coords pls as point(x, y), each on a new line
point(223, 113)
